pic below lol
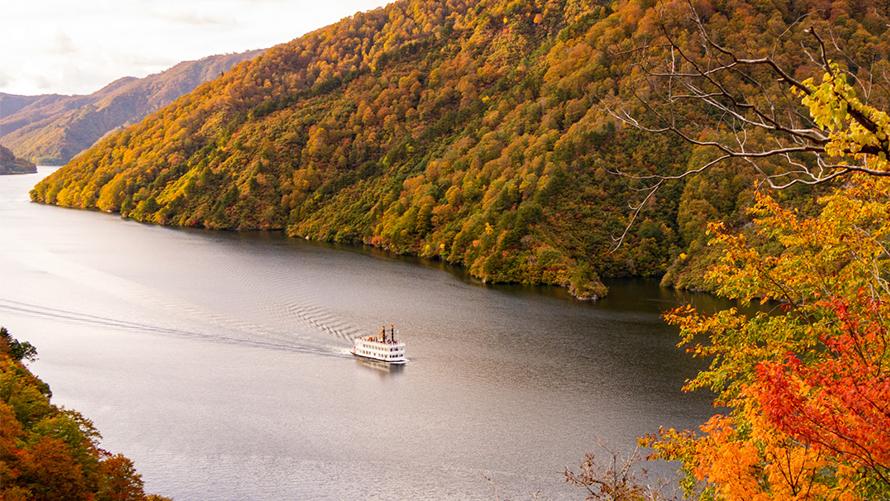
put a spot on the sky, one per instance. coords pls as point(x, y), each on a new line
point(79, 46)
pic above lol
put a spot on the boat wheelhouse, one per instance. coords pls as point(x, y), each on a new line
point(383, 347)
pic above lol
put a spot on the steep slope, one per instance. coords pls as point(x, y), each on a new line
point(52, 129)
point(468, 131)
point(9, 164)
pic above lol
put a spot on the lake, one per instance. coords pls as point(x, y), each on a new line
point(219, 361)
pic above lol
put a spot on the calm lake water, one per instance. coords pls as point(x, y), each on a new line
point(219, 362)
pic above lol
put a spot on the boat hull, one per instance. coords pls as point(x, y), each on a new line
point(398, 361)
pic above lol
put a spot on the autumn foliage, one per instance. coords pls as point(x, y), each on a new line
point(807, 383)
point(51, 453)
point(840, 404)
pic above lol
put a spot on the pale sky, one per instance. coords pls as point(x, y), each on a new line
point(78, 46)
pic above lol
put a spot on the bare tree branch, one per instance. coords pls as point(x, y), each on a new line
point(755, 116)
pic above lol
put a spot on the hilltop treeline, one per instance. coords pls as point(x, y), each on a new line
point(470, 131)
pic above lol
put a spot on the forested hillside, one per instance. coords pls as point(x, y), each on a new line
point(476, 132)
point(51, 129)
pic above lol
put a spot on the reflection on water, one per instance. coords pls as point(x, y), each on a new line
point(219, 361)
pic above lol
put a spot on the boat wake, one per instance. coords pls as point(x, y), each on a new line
point(322, 320)
point(291, 322)
point(39, 311)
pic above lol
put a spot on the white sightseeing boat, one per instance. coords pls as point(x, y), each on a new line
point(383, 347)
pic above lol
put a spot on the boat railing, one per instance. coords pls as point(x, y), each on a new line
point(376, 339)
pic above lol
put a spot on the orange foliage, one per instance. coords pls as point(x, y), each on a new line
point(840, 404)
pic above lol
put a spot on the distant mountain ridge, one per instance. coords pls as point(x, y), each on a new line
point(11, 103)
point(53, 128)
point(9, 164)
